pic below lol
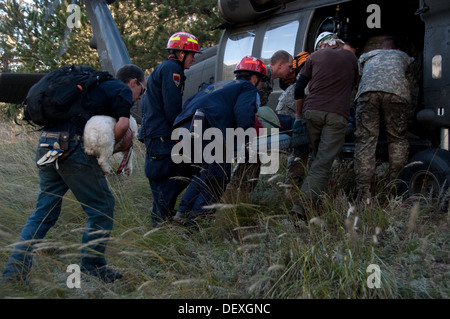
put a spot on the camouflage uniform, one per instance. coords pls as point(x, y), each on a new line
point(267, 87)
point(383, 95)
point(286, 102)
point(297, 159)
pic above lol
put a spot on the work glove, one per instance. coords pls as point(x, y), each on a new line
point(298, 127)
point(52, 155)
point(299, 136)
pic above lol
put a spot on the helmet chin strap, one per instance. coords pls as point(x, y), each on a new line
point(260, 78)
point(257, 82)
point(184, 55)
point(175, 57)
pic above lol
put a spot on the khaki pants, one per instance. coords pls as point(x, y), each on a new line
point(326, 132)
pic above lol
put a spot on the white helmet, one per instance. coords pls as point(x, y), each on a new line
point(321, 37)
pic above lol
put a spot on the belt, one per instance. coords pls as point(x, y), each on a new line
point(57, 135)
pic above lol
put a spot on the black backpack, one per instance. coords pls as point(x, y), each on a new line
point(58, 96)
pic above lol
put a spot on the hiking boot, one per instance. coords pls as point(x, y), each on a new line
point(290, 193)
point(181, 217)
point(186, 220)
point(14, 280)
point(363, 195)
point(297, 211)
point(107, 275)
point(14, 273)
point(228, 196)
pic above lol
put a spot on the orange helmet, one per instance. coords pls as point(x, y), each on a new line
point(300, 59)
point(183, 41)
point(252, 64)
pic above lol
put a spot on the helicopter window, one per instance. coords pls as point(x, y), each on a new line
point(237, 46)
point(280, 37)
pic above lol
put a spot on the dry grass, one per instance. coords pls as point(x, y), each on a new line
point(246, 251)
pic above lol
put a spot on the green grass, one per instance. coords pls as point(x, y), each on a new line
point(248, 250)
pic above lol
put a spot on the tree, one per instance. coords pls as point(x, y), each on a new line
point(146, 25)
point(34, 36)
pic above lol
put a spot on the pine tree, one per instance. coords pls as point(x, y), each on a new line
point(35, 37)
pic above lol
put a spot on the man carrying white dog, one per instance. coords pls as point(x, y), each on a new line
point(82, 175)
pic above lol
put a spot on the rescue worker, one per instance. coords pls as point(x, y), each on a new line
point(246, 175)
point(225, 104)
point(83, 176)
point(331, 73)
point(160, 106)
point(384, 94)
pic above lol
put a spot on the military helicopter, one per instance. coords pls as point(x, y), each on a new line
point(261, 27)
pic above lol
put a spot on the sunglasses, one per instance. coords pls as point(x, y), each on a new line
point(143, 88)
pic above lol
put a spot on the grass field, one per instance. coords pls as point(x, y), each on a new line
point(247, 250)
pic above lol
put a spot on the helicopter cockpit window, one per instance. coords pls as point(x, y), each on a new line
point(280, 37)
point(237, 46)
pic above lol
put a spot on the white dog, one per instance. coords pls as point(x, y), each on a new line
point(98, 140)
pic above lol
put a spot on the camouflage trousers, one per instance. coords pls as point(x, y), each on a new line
point(374, 108)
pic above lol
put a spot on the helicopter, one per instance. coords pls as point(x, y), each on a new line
point(261, 27)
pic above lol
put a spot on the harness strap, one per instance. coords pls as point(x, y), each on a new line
point(125, 160)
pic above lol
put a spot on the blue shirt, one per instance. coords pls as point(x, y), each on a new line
point(163, 100)
point(113, 98)
point(226, 104)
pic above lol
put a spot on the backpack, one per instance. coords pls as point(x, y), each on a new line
point(58, 96)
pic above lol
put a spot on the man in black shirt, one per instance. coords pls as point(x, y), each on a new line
point(83, 176)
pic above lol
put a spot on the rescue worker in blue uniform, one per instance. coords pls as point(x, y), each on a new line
point(225, 104)
point(160, 106)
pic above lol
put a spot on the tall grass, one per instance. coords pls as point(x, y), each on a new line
point(247, 250)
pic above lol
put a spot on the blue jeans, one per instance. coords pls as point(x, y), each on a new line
point(205, 189)
point(167, 179)
point(83, 176)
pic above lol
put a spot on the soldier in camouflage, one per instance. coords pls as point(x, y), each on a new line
point(383, 95)
point(267, 87)
point(298, 158)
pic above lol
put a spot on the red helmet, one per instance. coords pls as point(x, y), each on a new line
point(183, 41)
point(249, 63)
